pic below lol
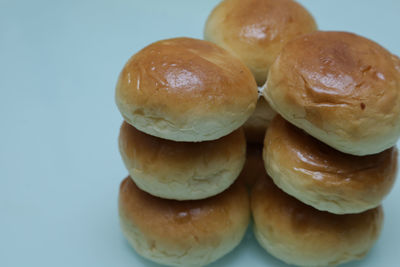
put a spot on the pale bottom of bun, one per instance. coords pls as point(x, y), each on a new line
point(194, 129)
point(197, 186)
point(301, 235)
point(335, 137)
point(256, 126)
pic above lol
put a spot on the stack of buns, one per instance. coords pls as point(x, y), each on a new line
point(184, 102)
point(321, 116)
point(329, 153)
point(332, 147)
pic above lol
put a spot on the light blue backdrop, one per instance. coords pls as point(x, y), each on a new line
point(59, 164)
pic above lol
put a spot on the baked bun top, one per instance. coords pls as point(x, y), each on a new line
point(277, 205)
point(339, 87)
point(299, 234)
point(184, 223)
point(323, 177)
point(256, 30)
point(182, 170)
point(185, 89)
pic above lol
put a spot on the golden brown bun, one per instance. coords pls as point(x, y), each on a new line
point(323, 177)
point(341, 88)
point(254, 166)
point(256, 126)
point(301, 235)
point(185, 89)
point(183, 233)
point(182, 171)
point(256, 30)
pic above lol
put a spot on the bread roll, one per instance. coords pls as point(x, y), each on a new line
point(178, 170)
point(185, 89)
point(301, 235)
point(323, 177)
point(183, 233)
point(256, 30)
point(339, 87)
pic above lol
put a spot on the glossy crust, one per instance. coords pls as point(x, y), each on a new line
point(341, 88)
point(256, 30)
point(185, 89)
point(256, 126)
point(323, 177)
point(183, 233)
point(301, 235)
point(182, 171)
point(254, 166)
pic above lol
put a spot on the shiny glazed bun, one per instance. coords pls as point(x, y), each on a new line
point(323, 177)
point(339, 87)
point(256, 30)
point(254, 166)
point(183, 233)
point(301, 235)
point(185, 90)
point(256, 126)
point(182, 171)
